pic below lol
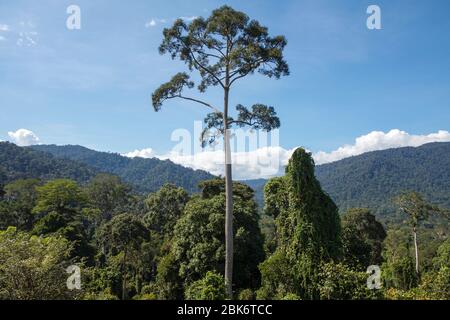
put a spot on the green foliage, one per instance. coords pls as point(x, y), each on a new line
point(102, 296)
point(308, 231)
point(101, 283)
point(223, 48)
point(277, 278)
point(442, 258)
point(261, 117)
point(435, 285)
point(168, 280)
point(246, 294)
point(164, 208)
point(291, 297)
point(63, 197)
point(121, 240)
point(19, 200)
point(198, 243)
point(124, 232)
point(58, 211)
point(416, 207)
point(211, 287)
point(362, 238)
point(372, 179)
point(109, 194)
point(25, 163)
point(226, 42)
point(398, 269)
point(148, 292)
point(33, 268)
point(340, 282)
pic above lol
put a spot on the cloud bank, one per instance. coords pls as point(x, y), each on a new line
point(270, 161)
point(23, 137)
point(378, 140)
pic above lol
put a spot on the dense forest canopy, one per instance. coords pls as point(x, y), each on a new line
point(169, 244)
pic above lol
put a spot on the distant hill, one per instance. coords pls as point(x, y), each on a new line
point(369, 180)
point(146, 175)
point(23, 163)
point(372, 179)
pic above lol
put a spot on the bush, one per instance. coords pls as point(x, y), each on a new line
point(102, 296)
point(246, 294)
point(291, 296)
point(339, 282)
point(146, 296)
point(211, 287)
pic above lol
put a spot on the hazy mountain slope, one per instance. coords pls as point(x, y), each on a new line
point(22, 163)
point(147, 175)
point(372, 179)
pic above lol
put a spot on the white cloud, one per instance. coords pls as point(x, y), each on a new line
point(27, 39)
point(144, 153)
point(4, 27)
point(191, 18)
point(260, 163)
point(151, 23)
point(270, 161)
point(154, 22)
point(378, 140)
point(23, 137)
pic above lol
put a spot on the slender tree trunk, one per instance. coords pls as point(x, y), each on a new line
point(229, 202)
point(416, 247)
point(124, 281)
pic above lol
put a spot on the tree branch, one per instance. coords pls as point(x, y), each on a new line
point(195, 100)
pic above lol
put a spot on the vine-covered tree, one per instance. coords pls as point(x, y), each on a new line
point(308, 231)
point(223, 48)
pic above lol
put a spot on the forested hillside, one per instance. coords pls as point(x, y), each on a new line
point(23, 163)
point(369, 180)
point(372, 179)
point(146, 175)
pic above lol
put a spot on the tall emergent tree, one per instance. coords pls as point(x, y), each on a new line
point(418, 209)
point(223, 48)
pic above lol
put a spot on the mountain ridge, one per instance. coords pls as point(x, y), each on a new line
point(367, 180)
point(373, 178)
point(146, 175)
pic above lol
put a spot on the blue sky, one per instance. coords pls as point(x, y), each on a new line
point(92, 86)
